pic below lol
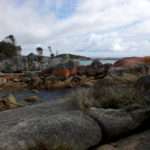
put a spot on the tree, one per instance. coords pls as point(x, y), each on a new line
point(40, 56)
point(39, 51)
point(19, 49)
point(8, 47)
point(10, 39)
point(7, 50)
point(50, 49)
point(51, 52)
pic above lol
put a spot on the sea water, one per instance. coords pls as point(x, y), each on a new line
point(104, 61)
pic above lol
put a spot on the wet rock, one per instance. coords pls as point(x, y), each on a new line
point(32, 99)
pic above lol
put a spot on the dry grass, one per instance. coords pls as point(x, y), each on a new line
point(116, 97)
point(125, 78)
point(82, 98)
point(106, 95)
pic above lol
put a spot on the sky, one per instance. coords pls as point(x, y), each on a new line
point(97, 28)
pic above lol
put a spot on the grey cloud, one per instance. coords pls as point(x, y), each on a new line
point(110, 27)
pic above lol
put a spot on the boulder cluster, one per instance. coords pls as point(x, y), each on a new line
point(61, 125)
point(64, 125)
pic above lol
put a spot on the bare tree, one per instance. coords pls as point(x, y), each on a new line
point(40, 56)
point(10, 39)
point(39, 51)
point(51, 52)
point(50, 49)
point(57, 52)
point(19, 50)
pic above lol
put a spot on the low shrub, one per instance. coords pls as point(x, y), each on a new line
point(106, 95)
point(82, 98)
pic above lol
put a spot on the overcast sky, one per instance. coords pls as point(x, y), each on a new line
point(88, 27)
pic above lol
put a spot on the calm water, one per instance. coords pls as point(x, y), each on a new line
point(104, 61)
point(44, 95)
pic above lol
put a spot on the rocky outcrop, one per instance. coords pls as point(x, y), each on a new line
point(132, 61)
point(135, 142)
point(96, 69)
point(143, 83)
point(140, 69)
point(63, 75)
point(127, 62)
point(62, 70)
point(48, 127)
point(119, 123)
point(61, 124)
point(71, 131)
point(142, 86)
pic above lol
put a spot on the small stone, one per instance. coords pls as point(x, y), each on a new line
point(106, 147)
point(35, 91)
point(32, 99)
point(9, 102)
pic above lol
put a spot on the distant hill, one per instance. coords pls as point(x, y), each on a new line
point(73, 56)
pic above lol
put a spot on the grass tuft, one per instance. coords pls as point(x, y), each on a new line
point(105, 94)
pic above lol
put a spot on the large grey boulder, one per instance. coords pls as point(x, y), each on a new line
point(138, 141)
point(61, 125)
point(73, 131)
point(13, 117)
point(49, 126)
point(119, 123)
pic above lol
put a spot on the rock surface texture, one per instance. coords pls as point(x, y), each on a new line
point(62, 126)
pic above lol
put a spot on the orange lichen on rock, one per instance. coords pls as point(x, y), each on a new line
point(132, 61)
point(146, 59)
point(64, 72)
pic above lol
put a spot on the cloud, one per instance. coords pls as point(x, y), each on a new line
point(95, 28)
